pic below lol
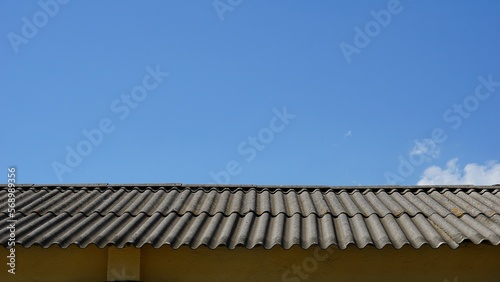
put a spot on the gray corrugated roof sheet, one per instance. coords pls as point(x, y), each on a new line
point(250, 216)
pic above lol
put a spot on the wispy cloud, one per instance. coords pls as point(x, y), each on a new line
point(348, 133)
point(472, 173)
point(425, 147)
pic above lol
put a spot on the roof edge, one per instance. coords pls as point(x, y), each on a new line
point(260, 186)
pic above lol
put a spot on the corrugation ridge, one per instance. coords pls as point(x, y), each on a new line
point(377, 231)
point(77, 201)
point(394, 231)
point(411, 231)
point(379, 207)
point(140, 203)
point(95, 227)
point(444, 202)
point(326, 231)
point(428, 232)
point(87, 214)
point(33, 220)
point(434, 205)
point(343, 231)
point(360, 231)
point(419, 204)
point(166, 202)
point(320, 204)
point(489, 200)
point(41, 199)
point(176, 226)
point(221, 201)
point(25, 199)
point(70, 201)
point(54, 203)
point(408, 207)
point(235, 203)
point(468, 232)
point(57, 235)
point(117, 204)
point(179, 205)
point(154, 202)
point(250, 202)
point(263, 202)
point(356, 223)
point(258, 232)
point(175, 222)
point(242, 231)
point(41, 229)
point(395, 208)
point(463, 206)
point(106, 234)
point(129, 228)
point(161, 229)
point(281, 202)
point(277, 232)
point(492, 223)
point(306, 204)
point(95, 203)
point(310, 227)
point(349, 206)
point(75, 231)
point(449, 233)
point(362, 203)
point(193, 200)
point(224, 234)
point(206, 229)
point(140, 236)
point(187, 230)
point(81, 246)
point(485, 231)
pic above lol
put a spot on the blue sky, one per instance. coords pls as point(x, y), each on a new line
point(254, 92)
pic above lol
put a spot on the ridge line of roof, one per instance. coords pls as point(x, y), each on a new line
point(339, 187)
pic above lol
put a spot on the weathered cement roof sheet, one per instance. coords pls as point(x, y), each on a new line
point(250, 216)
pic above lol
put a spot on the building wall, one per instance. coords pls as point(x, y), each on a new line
point(467, 263)
point(56, 264)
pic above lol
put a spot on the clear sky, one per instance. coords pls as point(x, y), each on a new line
point(251, 92)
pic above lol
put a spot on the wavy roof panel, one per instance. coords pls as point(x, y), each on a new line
point(249, 216)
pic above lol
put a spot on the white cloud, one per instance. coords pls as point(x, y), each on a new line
point(348, 133)
point(472, 173)
point(425, 147)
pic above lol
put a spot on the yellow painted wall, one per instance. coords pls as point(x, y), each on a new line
point(467, 263)
point(56, 264)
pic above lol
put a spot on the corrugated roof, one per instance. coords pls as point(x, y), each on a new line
point(196, 215)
